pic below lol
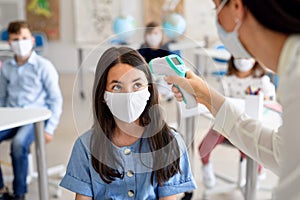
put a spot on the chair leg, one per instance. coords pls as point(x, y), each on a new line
point(230, 184)
point(205, 196)
point(58, 191)
point(31, 172)
point(56, 170)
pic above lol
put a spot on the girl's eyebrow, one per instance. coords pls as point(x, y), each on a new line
point(119, 82)
point(115, 81)
point(137, 79)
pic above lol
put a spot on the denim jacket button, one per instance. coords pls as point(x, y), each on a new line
point(130, 173)
point(130, 193)
point(127, 151)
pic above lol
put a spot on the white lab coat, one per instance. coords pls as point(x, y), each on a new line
point(278, 151)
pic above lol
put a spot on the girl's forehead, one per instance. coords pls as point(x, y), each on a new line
point(156, 29)
point(125, 72)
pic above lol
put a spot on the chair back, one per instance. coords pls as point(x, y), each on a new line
point(4, 35)
point(41, 42)
point(220, 47)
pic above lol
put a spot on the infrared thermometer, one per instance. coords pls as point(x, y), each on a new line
point(173, 65)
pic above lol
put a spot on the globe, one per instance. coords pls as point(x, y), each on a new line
point(174, 25)
point(124, 27)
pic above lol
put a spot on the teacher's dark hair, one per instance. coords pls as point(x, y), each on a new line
point(278, 15)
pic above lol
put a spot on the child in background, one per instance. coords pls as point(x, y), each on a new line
point(130, 152)
point(241, 74)
point(155, 47)
point(26, 81)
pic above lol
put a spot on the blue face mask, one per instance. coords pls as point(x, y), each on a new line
point(231, 39)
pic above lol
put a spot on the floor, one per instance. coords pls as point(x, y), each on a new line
point(76, 118)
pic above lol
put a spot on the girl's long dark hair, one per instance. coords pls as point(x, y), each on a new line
point(103, 156)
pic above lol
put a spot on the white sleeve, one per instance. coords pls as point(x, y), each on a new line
point(250, 136)
point(289, 97)
point(268, 87)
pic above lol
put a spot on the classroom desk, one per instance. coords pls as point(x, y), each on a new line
point(5, 51)
point(201, 55)
point(15, 117)
point(270, 118)
point(4, 46)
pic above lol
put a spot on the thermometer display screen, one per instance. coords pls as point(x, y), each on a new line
point(175, 61)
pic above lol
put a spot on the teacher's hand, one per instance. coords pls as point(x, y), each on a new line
point(199, 88)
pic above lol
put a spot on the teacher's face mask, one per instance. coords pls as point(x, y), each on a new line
point(127, 107)
point(231, 39)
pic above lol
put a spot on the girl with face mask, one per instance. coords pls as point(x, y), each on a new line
point(130, 152)
point(155, 47)
point(269, 31)
point(241, 74)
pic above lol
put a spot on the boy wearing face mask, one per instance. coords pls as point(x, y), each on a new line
point(26, 81)
point(241, 74)
point(154, 47)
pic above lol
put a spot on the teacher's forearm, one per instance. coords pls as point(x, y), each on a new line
point(212, 99)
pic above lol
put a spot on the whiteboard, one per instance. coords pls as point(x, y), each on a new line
point(93, 20)
point(11, 10)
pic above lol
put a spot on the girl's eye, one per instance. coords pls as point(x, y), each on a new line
point(137, 86)
point(116, 88)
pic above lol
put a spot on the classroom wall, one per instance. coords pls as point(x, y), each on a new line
point(63, 53)
point(200, 18)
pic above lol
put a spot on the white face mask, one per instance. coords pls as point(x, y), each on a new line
point(231, 39)
point(244, 65)
point(154, 40)
point(127, 107)
point(22, 48)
